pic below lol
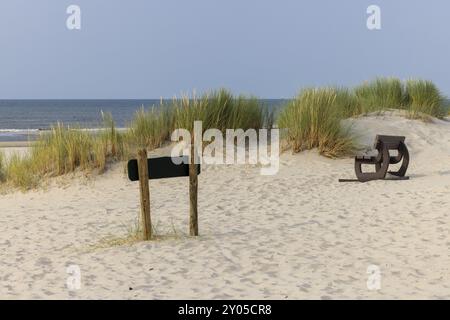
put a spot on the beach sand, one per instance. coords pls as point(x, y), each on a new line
point(297, 235)
point(14, 147)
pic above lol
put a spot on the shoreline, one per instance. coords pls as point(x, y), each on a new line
point(15, 144)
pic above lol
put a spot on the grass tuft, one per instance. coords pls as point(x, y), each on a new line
point(313, 121)
point(424, 99)
point(2, 167)
point(64, 150)
point(380, 94)
point(346, 103)
point(217, 109)
point(150, 128)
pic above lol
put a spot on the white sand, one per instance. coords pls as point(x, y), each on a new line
point(15, 147)
point(299, 234)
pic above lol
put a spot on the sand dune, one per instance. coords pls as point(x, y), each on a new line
point(298, 234)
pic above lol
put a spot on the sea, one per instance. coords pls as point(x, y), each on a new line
point(22, 120)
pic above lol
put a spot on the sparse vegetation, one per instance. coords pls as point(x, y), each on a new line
point(221, 110)
point(380, 94)
point(313, 121)
point(2, 167)
point(133, 234)
point(150, 129)
point(63, 150)
point(218, 109)
point(424, 99)
point(313, 118)
point(346, 103)
point(66, 149)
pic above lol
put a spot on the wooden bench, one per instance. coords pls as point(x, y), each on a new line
point(383, 145)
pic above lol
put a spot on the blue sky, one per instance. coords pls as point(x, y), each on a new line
point(154, 48)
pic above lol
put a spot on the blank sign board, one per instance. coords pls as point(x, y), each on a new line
point(161, 168)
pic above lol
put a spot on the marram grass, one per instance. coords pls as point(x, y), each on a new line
point(420, 98)
point(346, 103)
point(150, 129)
point(63, 150)
point(424, 99)
point(221, 110)
point(2, 167)
point(67, 149)
point(380, 94)
point(312, 121)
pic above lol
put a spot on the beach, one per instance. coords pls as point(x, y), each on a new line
point(299, 234)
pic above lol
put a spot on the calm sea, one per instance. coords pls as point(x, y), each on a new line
point(21, 120)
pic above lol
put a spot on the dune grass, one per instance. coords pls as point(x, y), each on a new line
point(150, 129)
point(189, 109)
point(21, 172)
point(312, 121)
point(424, 99)
point(221, 110)
point(217, 109)
point(224, 111)
point(64, 150)
point(346, 103)
point(380, 94)
point(2, 167)
point(420, 98)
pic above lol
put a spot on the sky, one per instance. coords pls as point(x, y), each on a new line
point(161, 48)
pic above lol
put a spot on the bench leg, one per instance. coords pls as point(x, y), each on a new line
point(381, 168)
point(403, 150)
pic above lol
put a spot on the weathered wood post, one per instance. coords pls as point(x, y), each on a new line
point(193, 191)
point(145, 194)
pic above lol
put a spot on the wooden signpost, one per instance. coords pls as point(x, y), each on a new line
point(145, 194)
point(193, 191)
point(143, 169)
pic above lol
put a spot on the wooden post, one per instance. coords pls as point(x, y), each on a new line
point(193, 192)
point(145, 194)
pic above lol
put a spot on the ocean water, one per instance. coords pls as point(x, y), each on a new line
point(22, 120)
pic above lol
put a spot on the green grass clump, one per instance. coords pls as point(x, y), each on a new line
point(424, 98)
point(66, 149)
point(312, 121)
point(21, 172)
point(221, 110)
point(380, 94)
point(346, 103)
point(224, 111)
point(2, 167)
point(217, 109)
point(150, 128)
point(187, 110)
point(63, 150)
point(248, 113)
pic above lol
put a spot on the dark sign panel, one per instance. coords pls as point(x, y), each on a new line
point(160, 168)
